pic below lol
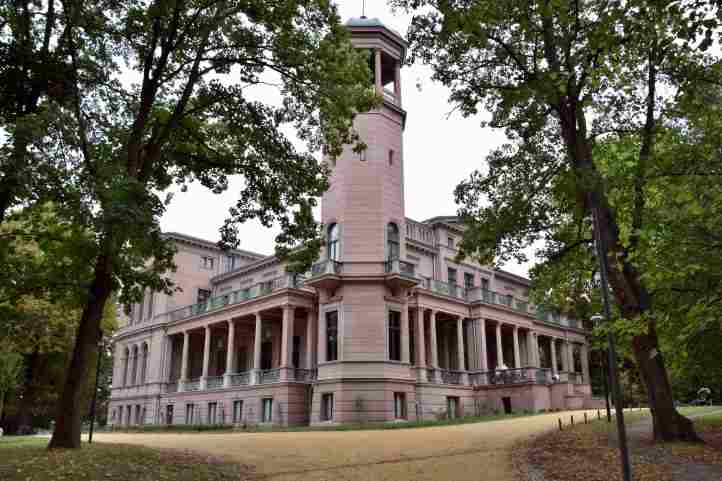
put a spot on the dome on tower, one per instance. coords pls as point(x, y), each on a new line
point(365, 25)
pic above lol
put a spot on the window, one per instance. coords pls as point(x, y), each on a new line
point(468, 280)
point(212, 412)
point(128, 418)
point(296, 352)
point(207, 262)
point(451, 276)
point(137, 414)
point(362, 155)
point(266, 414)
point(332, 335)
point(237, 412)
point(394, 335)
point(327, 407)
point(391, 156)
point(392, 240)
point(485, 284)
point(169, 414)
point(452, 407)
point(450, 242)
point(399, 405)
point(334, 253)
point(232, 262)
point(190, 410)
point(203, 296)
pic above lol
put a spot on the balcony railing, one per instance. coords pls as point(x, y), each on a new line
point(269, 376)
point(446, 289)
point(328, 266)
point(241, 378)
point(403, 268)
point(214, 382)
point(431, 375)
point(235, 297)
point(450, 377)
point(524, 375)
point(192, 385)
point(304, 375)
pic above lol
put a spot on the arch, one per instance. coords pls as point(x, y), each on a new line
point(393, 243)
point(134, 366)
point(143, 362)
point(333, 251)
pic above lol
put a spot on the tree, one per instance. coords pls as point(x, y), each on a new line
point(559, 76)
point(11, 366)
point(191, 112)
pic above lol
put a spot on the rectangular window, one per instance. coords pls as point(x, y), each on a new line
point(468, 280)
point(327, 407)
point(169, 414)
point(399, 405)
point(332, 335)
point(266, 415)
point(232, 261)
point(450, 242)
point(485, 284)
point(391, 156)
point(237, 411)
point(452, 407)
point(207, 262)
point(362, 155)
point(203, 295)
point(190, 410)
point(212, 413)
point(296, 352)
point(394, 336)
point(451, 276)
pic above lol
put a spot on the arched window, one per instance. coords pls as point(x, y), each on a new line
point(126, 355)
point(134, 368)
point(392, 241)
point(333, 243)
point(143, 363)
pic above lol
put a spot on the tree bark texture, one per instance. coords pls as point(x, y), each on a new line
point(69, 412)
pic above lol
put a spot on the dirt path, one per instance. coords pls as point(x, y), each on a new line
point(456, 453)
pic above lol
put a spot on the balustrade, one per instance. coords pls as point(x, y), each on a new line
point(450, 377)
point(305, 375)
point(241, 378)
point(269, 376)
point(214, 382)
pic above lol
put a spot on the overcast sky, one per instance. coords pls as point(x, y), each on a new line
point(440, 149)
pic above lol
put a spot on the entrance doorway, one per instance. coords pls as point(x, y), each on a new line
point(507, 404)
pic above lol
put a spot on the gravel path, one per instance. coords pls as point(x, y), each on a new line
point(456, 453)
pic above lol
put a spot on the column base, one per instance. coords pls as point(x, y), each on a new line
point(226, 381)
point(203, 383)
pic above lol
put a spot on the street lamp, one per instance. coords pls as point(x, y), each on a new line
point(612, 361)
point(597, 320)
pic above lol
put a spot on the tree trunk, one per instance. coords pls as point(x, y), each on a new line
point(70, 411)
point(668, 424)
point(2, 404)
point(630, 294)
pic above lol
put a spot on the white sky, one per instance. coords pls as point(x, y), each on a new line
point(440, 149)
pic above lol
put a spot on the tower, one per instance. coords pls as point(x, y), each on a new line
point(367, 192)
point(362, 280)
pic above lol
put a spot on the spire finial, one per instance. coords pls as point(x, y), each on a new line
point(363, 8)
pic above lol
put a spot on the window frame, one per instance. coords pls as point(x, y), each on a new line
point(333, 243)
point(327, 407)
point(393, 335)
point(331, 341)
point(393, 241)
point(267, 417)
point(467, 277)
point(237, 407)
point(400, 408)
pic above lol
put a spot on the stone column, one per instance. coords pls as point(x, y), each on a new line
point(377, 71)
point(397, 82)
point(553, 343)
point(484, 356)
point(570, 357)
point(206, 357)
point(287, 340)
point(585, 363)
point(255, 375)
point(184, 362)
point(434, 346)
point(309, 339)
point(405, 356)
point(517, 356)
point(499, 347)
point(531, 353)
point(420, 340)
point(230, 353)
point(322, 354)
point(460, 349)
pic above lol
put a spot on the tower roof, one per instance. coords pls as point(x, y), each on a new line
point(365, 25)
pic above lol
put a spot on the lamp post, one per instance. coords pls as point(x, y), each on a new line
point(612, 361)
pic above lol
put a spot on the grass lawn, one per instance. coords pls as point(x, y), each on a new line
point(27, 459)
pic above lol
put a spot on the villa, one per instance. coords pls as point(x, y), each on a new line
point(386, 326)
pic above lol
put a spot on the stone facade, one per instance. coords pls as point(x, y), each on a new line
point(386, 326)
